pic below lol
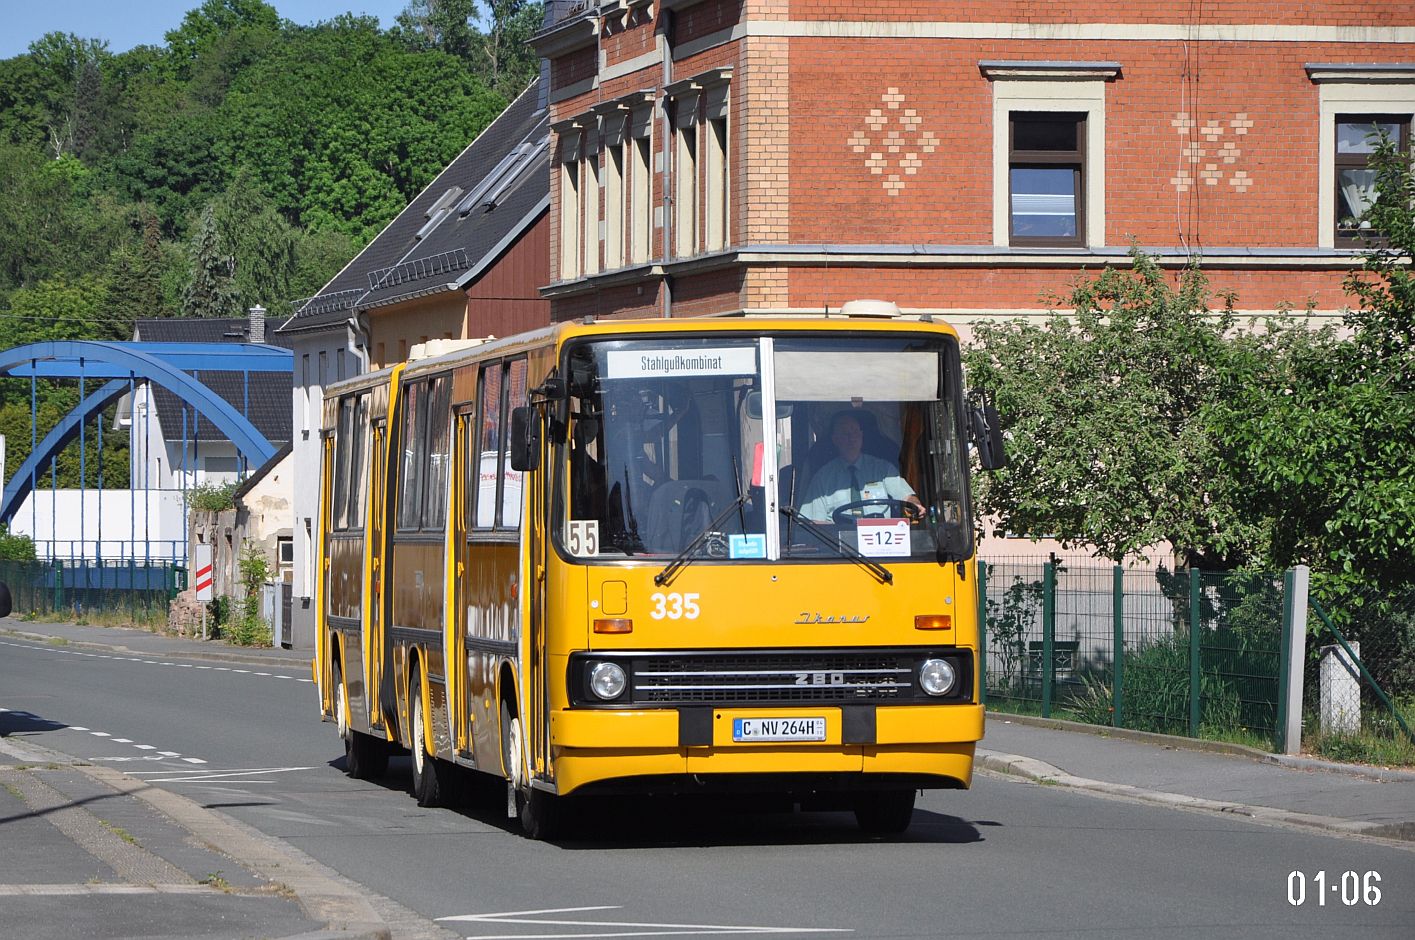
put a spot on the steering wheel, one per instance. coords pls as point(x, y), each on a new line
point(888, 508)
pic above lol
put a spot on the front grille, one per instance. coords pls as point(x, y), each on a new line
point(712, 678)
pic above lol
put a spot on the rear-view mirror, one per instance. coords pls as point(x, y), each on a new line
point(985, 428)
point(525, 438)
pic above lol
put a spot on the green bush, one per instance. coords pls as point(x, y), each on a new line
point(15, 547)
point(212, 497)
point(246, 627)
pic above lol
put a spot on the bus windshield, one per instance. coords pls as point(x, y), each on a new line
point(677, 443)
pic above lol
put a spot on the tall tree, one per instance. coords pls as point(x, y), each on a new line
point(211, 292)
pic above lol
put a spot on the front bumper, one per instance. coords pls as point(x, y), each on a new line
point(920, 743)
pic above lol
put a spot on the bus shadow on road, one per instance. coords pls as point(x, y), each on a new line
point(649, 822)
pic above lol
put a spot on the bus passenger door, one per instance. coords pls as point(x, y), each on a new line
point(462, 695)
point(381, 692)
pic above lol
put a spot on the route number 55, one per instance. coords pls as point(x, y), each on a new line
point(674, 606)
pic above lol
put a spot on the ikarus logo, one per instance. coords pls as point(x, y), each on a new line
point(817, 617)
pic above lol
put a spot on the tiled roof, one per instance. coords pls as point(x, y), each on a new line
point(266, 399)
point(455, 227)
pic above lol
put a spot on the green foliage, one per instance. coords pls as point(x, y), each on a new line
point(1107, 447)
point(15, 547)
point(212, 497)
point(211, 291)
point(1011, 621)
point(246, 627)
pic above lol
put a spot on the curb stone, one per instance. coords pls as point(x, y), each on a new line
point(1041, 772)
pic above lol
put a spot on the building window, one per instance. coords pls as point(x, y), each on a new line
point(571, 225)
point(685, 176)
point(1046, 170)
point(640, 211)
point(615, 204)
point(589, 199)
point(716, 163)
point(1356, 140)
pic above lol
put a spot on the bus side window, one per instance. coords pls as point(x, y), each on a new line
point(439, 453)
point(414, 443)
point(489, 417)
point(511, 479)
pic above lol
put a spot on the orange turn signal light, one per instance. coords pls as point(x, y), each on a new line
point(933, 622)
point(614, 625)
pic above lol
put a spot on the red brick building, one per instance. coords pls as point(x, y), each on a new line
point(719, 157)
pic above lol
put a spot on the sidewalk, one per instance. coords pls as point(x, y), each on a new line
point(1203, 775)
point(91, 851)
point(128, 640)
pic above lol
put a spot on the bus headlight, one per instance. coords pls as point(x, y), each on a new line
point(607, 680)
point(937, 676)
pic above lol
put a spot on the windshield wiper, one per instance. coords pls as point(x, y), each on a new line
point(849, 551)
point(683, 558)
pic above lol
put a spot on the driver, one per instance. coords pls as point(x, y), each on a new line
point(853, 476)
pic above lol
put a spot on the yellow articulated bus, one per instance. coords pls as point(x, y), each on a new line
point(658, 557)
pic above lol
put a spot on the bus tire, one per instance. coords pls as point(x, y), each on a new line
point(542, 814)
point(884, 812)
point(365, 757)
point(431, 778)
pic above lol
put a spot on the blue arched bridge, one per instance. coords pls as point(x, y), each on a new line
point(120, 366)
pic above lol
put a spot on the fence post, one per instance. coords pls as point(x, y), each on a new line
point(58, 584)
point(1195, 675)
point(1294, 650)
point(1048, 633)
point(982, 632)
point(1117, 691)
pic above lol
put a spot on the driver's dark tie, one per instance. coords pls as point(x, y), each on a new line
point(854, 486)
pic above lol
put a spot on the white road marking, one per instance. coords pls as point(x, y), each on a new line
point(653, 929)
point(144, 747)
point(192, 775)
point(100, 734)
point(194, 760)
point(122, 740)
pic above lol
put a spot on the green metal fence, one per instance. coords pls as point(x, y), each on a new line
point(1359, 676)
point(133, 590)
point(1191, 653)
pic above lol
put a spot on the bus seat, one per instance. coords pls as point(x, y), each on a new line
point(680, 509)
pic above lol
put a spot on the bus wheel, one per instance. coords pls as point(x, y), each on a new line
point(365, 757)
point(429, 779)
point(885, 811)
point(540, 813)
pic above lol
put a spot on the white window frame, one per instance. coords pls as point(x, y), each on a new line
point(1082, 94)
point(1346, 89)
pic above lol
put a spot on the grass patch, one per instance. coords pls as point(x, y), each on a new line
point(214, 880)
point(1365, 747)
point(58, 641)
point(119, 831)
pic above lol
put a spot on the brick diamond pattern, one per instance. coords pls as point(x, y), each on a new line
point(1208, 160)
point(893, 152)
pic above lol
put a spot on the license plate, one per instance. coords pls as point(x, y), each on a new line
point(778, 729)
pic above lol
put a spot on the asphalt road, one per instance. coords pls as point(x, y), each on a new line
point(1007, 859)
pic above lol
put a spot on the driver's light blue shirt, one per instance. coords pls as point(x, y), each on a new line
point(829, 488)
